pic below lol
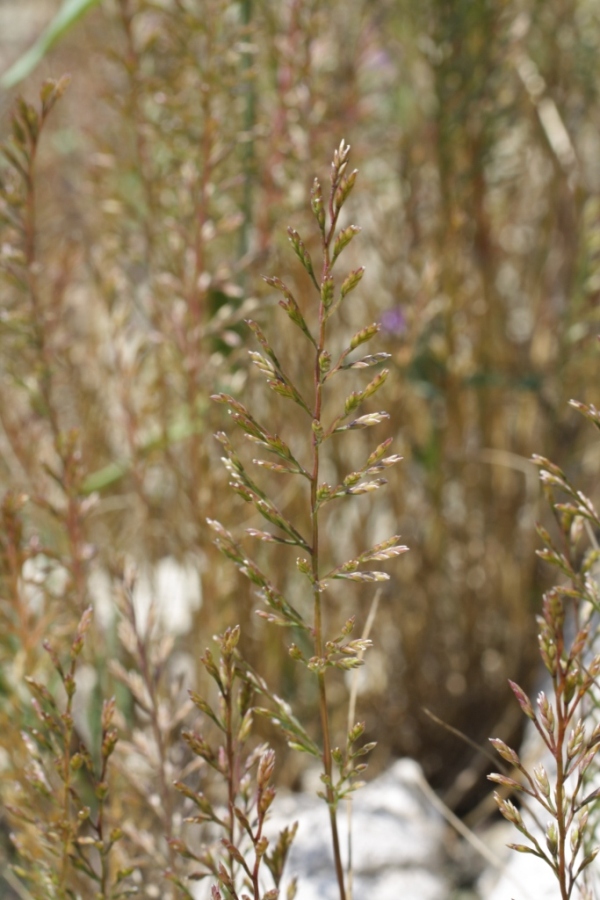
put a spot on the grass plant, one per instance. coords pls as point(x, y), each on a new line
point(248, 775)
point(63, 838)
point(340, 765)
point(562, 789)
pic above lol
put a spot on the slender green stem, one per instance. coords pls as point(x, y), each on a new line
point(104, 855)
point(560, 813)
point(40, 331)
point(231, 764)
point(67, 825)
point(248, 145)
point(318, 623)
point(256, 840)
point(562, 723)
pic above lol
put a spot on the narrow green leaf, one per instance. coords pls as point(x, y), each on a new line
point(114, 471)
point(69, 13)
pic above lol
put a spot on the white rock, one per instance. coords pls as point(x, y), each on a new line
point(396, 845)
point(524, 877)
point(173, 588)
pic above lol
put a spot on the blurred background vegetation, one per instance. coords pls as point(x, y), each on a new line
point(185, 144)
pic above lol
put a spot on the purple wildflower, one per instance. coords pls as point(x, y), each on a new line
point(393, 321)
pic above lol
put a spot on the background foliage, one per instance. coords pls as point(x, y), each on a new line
point(187, 140)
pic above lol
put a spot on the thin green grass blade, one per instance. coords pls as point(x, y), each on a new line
point(69, 13)
point(114, 471)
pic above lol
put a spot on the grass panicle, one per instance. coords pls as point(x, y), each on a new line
point(340, 766)
point(561, 790)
